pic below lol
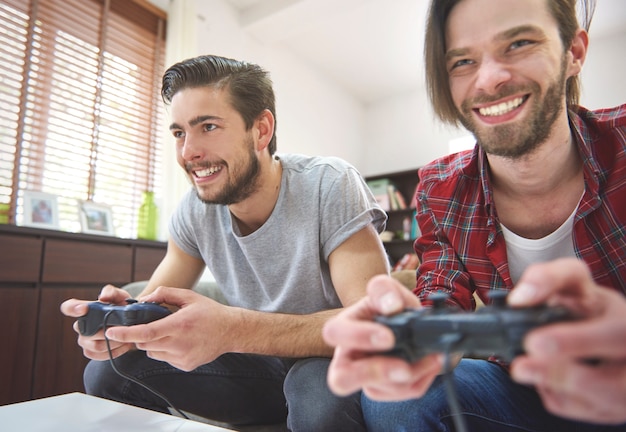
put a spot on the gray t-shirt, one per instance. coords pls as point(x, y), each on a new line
point(282, 266)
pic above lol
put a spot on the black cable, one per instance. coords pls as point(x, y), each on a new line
point(455, 407)
point(133, 379)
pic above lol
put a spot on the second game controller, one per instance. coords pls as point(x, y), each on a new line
point(131, 314)
point(494, 330)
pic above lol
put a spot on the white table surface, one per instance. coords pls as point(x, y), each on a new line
point(78, 412)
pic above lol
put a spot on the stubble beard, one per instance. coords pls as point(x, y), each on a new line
point(242, 183)
point(518, 139)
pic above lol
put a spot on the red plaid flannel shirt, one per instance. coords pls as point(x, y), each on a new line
point(462, 248)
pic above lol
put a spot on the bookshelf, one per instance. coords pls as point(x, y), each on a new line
point(404, 184)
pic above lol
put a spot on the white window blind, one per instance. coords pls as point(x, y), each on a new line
point(80, 106)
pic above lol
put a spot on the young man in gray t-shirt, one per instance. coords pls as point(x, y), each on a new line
point(289, 239)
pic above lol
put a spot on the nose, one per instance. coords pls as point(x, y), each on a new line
point(491, 74)
point(190, 148)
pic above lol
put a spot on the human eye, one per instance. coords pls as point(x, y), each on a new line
point(208, 127)
point(462, 62)
point(520, 43)
point(177, 133)
point(459, 64)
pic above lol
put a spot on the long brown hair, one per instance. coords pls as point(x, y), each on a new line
point(437, 84)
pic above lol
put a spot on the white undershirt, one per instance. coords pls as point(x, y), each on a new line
point(522, 252)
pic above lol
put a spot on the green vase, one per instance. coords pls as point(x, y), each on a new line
point(147, 225)
point(4, 213)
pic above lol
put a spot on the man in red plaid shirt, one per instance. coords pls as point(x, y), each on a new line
point(539, 205)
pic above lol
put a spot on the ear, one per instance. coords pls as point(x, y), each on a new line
point(264, 129)
point(578, 52)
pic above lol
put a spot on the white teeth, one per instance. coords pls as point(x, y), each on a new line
point(502, 108)
point(207, 172)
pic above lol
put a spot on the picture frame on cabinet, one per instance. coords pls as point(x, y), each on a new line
point(40, 210)
point(96, 218)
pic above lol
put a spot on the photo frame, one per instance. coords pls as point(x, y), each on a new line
point(96, 218)
point(40, 210)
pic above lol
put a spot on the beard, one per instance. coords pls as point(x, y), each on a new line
point(517, 139)
point(242, 182)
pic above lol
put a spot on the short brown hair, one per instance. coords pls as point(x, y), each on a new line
point(249, 86)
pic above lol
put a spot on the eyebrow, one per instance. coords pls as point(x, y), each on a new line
point(516, 31)
point(504, 36)
point(195, 121)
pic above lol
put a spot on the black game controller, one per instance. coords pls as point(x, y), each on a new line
point(131, 314)
point(494, 330)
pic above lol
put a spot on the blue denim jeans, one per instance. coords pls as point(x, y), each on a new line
point(490, 401)
point(240, 389)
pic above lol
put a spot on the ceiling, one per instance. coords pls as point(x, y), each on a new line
point(370, 47)
point(373, 48)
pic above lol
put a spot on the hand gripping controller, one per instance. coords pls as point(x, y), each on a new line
point(496, 329)
point(131, 314)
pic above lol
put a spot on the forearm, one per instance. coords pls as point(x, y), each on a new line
point(157, 281)
point(168, 272)
point(282, 335)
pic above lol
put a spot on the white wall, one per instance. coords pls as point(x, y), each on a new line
point(404, 134)
point(315, 116)
point(603, 83)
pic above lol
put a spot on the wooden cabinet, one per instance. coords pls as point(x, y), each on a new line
point(405, 183)
point(18, 329)
point(39, 269)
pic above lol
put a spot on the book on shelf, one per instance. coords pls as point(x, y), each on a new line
point(401, 200)
point(415, 229)
point(387, 194)
point(412, 198)
point(395, 198)
point(379, 190)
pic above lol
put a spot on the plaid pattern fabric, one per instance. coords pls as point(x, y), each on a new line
point(462, 248)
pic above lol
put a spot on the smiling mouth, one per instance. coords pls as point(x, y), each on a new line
point(502, 108)
point(207, 172)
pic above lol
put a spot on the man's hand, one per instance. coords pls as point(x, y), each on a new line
point(579, 367)
point(357, 363)
point(94, 347)
point(194, 335)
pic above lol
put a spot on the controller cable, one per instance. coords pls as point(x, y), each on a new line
point(133, 379)
point(451, 394)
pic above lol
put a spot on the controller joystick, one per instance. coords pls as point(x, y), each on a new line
point(498, 298)
point(494, 330)
point(439, 301)
point(132, 314)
